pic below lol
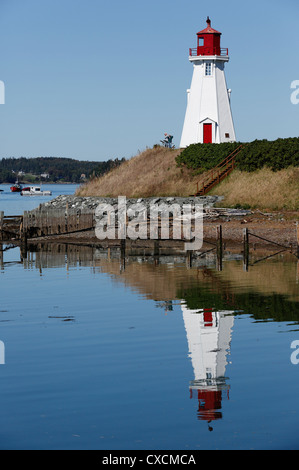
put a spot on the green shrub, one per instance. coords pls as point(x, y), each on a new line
point(276, 155)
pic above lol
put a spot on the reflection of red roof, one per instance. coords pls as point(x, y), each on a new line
point(209, 29)
point(210, 402)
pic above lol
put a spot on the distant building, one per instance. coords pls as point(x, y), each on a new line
point(45, 175)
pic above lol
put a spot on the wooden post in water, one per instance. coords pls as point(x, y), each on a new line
point(156, 251)
point(297, 238)
point(2, 260)
point(245, 249)
point(1, 224)
point(123, 254)
point(66, 217)
point(219, 249)
point(24, 247)
point(189, 259)
point(23, 236)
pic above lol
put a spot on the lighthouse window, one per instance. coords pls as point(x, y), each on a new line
point(208, 69)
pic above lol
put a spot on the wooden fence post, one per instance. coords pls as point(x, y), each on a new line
point(66, 221)
point(219, 247)
point(1, 224)
point(156, 251)
point(189, 259)
point(245, 249)
point(297, 237)
point(123, 243)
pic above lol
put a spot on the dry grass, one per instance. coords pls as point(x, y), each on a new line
point(262, 189)
point(151, 173)
point(154, 173)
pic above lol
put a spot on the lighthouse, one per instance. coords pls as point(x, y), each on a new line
point(208, 116)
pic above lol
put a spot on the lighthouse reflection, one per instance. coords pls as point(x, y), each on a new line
point(209, 335)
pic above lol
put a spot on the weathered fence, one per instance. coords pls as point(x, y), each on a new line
point(46, 222)
point(10, 226)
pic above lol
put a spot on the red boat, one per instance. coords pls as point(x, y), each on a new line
point(16, 188)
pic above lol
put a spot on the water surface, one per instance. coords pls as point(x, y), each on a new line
point(15, 204)
point(153, 356)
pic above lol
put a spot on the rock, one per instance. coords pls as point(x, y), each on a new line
point(78, 205)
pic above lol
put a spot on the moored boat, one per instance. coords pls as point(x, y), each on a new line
point(16, 188)
point(35, 191)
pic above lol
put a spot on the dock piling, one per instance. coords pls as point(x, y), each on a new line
point(1, 224)
point(219, 247)
point(245, 249)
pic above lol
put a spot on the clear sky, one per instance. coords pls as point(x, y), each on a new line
point(97, 79)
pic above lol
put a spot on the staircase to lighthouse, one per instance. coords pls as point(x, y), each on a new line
point(218, 173)
point(208, 117)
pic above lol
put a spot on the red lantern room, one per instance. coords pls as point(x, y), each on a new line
point(208, 42)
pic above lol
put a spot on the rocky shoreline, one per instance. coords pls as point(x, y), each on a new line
point(79, 204)
point(91, 202)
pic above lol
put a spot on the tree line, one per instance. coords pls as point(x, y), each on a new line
point(56, 169)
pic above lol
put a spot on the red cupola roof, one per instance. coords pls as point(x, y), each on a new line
point(208, 42)
point(208, 29)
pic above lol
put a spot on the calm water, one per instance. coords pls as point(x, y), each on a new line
point(14, 204)
point(147, 356)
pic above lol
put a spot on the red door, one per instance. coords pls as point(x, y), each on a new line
point(207, 133)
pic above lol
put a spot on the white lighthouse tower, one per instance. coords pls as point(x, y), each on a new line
point(208, 116)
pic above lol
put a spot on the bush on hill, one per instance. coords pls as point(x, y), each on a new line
point(276, 155)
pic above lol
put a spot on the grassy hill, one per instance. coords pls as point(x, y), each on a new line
point(263, 189)
point(267, 174)
point(153, 172)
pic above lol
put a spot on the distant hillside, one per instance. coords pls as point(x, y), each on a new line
point(52, 169)
point(161, 172)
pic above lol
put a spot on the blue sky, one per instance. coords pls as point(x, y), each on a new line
point(95, 79)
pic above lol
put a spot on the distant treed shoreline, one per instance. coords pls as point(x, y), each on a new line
point(52, 169)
